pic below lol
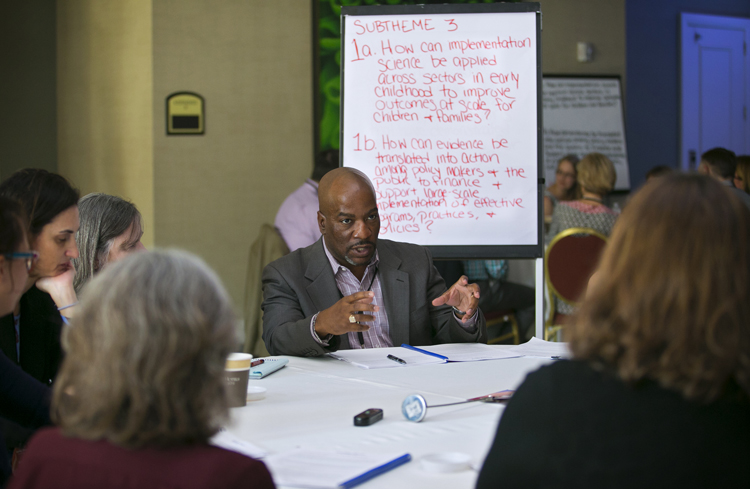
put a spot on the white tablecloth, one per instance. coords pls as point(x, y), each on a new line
point(311, 403)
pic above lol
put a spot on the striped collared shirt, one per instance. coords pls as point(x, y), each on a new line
point(378, 334)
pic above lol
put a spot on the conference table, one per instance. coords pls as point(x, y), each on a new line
point(311, 403)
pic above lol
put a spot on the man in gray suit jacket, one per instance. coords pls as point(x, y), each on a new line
point(349, 290)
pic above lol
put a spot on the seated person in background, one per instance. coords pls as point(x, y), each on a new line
point(297, 219)
point(351, 290)
point(742, 174)
point(658, 391)
point(497, 294)
point(565, 186)
point(596, 175)
point(111, 228)
point(23, 399)
point(31, 335)
point(721, 164)
point(658, 171)
point(141, 389)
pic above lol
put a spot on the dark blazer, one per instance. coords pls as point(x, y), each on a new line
point(301, 284)
point(40, 328)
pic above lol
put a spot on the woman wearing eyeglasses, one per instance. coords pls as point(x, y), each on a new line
point(23, 399)
point(565, 186)
point(31, 335)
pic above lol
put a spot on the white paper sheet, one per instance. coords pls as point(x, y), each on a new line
point(323, 469)
point(378, 358)
point(471, 352)
point(224, 439)
point(540, 348)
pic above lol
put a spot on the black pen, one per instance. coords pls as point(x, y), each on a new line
point(396, 359)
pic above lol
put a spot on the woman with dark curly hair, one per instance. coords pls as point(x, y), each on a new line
point(658, 391)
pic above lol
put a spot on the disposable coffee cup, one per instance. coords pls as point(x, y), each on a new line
point(236, 374)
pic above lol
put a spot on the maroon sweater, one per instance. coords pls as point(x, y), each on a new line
point(52, 460)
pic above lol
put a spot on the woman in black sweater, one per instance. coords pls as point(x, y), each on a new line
point(22, 398)
point(657, 394)
point(31, 335)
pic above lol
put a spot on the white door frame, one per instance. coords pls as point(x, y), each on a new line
point(688, 22)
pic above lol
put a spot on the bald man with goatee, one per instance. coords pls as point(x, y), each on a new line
point(351, 290)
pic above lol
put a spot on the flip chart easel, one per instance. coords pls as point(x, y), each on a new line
point(441, 107)
point(583, 114)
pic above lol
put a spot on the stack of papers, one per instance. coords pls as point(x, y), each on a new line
point(540, 348)
point(424, 355)
point(453, 352)
point(378, 358)
point(227, 441)
point(471, 352)
point(324, 469)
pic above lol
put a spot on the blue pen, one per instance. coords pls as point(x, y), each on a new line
point(404, 345)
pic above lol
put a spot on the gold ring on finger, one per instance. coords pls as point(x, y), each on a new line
point(352, 319)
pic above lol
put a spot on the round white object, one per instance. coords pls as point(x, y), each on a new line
point(446, 462)
point(255, 393)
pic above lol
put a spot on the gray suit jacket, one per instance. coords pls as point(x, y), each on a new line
point(301, 284)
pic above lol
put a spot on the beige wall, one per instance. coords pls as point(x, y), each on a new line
point(104, 93)
point(566, 22)
point(252, 62)
point(28, 129)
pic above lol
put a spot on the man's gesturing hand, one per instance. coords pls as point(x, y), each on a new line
point(335, 319)
point(462, 295)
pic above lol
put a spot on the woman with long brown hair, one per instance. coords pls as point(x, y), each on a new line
point(658, 391)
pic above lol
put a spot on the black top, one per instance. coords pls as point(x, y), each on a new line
point(569, 425)
point(23, 400)
point(40, 329)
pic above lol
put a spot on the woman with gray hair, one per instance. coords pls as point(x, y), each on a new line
point(141, 389)
point(111, 228)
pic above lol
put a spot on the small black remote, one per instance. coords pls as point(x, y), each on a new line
point(366, 418)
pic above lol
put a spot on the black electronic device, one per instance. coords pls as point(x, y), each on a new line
point(366, 418)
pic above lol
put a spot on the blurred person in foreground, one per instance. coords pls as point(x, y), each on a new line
point(111, 228)
point(141, 389)
point(23, 399)
point(658, 171)
point(565, 186)
point(658, 391)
